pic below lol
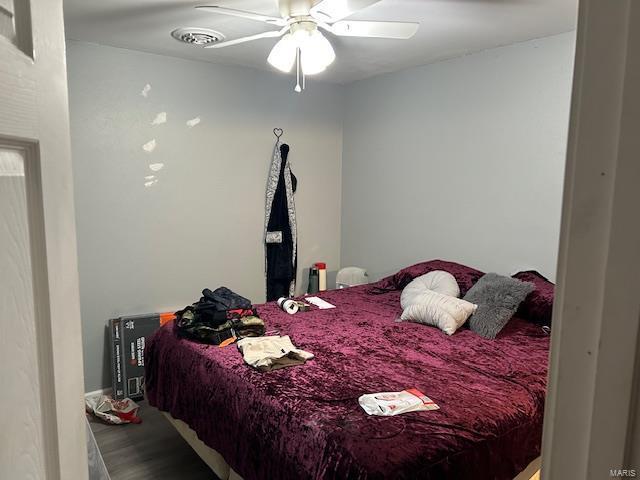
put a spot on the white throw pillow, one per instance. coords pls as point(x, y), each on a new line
point(437, 281)
point(442, 311)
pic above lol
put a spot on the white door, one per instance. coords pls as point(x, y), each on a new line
point(41, 406)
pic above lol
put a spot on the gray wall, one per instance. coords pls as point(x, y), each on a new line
point(460, 160)
point(153, 248)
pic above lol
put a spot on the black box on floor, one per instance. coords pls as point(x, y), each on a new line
point(128, 338)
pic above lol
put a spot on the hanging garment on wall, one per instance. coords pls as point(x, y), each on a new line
point(280, 233)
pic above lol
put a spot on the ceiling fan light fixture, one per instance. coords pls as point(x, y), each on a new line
point(317, 53)
point(283, 54)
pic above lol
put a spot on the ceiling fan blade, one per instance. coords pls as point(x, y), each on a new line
point(242, 14)
point(397, 30)
point(271, 34)
point(334, 10)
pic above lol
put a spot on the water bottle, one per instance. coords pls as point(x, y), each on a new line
point(314, 280)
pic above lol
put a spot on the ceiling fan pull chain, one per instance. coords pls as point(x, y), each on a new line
point(298, 88)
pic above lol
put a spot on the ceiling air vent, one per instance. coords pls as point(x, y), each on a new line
point(197, 36)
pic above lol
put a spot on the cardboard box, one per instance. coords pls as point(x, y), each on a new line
point(128, 339)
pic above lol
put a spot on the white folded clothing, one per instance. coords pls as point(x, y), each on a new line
point(388, 404)
point(271, 353)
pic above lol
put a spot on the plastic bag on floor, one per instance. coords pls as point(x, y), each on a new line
point(388, 404)
point(115, 412)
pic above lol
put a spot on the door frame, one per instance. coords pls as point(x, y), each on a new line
point(590, 416)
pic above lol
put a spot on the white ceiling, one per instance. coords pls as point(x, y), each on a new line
point(448, 28)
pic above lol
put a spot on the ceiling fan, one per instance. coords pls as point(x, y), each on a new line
point(302, 42)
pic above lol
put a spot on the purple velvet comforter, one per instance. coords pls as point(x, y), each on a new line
point(305, 421)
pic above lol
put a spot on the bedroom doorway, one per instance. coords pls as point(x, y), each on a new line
point(592, 425)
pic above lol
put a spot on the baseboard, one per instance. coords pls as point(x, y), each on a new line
point(102, 391)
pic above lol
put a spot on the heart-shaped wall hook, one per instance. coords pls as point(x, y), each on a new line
point(278, 132)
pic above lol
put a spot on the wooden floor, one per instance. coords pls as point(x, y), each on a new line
point(152, 450)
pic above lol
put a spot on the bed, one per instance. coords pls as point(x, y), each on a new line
point(305, 421)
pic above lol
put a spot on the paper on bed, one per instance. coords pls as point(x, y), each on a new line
point(320, 303)
point(388, 404)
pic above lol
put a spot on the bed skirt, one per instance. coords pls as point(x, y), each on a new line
point(221, 468)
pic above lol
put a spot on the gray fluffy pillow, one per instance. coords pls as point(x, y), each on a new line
point(498, 299)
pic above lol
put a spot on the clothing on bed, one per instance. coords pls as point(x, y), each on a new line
point(306, 423)
point(223, 299)
point(189, 325)
point(219, 316)
point(272, 353)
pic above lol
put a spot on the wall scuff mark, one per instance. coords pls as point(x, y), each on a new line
point(145, 91)
point(193, 122)
point(160, 119)
point(150, 146)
